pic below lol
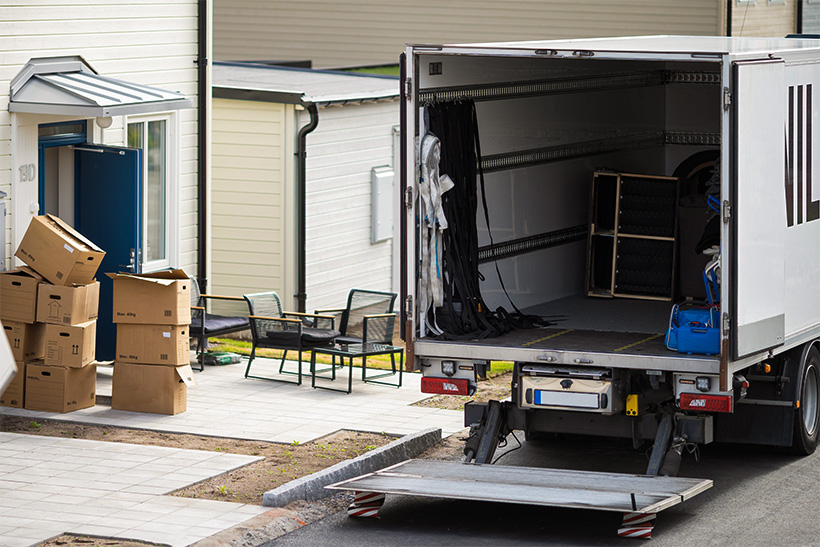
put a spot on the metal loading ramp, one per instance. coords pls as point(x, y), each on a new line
point(529, 485)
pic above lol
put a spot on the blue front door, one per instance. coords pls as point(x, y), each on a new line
point(108, 211)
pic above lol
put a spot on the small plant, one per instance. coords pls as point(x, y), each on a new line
point(105, 432)
point(223, 490)
point(34, 425)
point(369, 447)
point(220, 449)
point(295, 443)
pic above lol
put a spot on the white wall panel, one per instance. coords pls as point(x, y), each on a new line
point(348, 142)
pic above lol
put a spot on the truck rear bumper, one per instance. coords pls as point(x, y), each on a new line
point(697, 429)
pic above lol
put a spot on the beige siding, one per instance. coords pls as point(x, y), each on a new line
point(151, 42)
point(252, 167)
point(764, 18)
point(348, 142)
point(372, 32)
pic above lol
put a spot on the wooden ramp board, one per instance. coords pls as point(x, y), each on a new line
point(529, 485)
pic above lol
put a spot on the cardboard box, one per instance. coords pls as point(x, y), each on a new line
point(59, 389)
point(149, 388)
point(161, 298)
point(70, 345)
point(153, 344)
point(14, 395)
point(7, 367)
point(18, 294)
point(26, 340)
point(68, 305)
point(58, 252)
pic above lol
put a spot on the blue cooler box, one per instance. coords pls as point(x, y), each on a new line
point(694, 330)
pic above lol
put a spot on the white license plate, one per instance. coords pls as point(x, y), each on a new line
point(566, 398)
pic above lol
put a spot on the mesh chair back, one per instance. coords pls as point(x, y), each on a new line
point(380, 329)
point(360, 303)
point(264, 303)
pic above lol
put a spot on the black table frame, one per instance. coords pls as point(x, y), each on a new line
point(353, 351)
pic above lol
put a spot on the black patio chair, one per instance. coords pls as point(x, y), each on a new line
point(205, 325)
point(287, 331)
point(367, 319)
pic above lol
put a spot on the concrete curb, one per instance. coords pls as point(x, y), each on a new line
point(312, 487)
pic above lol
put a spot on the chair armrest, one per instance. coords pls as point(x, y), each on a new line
point(329, 310)
point(201, 308)
point(221, 297)
point(283, 319)
point(313, 320)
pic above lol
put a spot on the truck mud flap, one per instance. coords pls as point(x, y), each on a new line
point(638, 497)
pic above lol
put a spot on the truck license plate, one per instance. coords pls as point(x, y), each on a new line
point(566, 398)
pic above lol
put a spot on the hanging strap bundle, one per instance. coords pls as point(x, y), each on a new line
point(463, 313)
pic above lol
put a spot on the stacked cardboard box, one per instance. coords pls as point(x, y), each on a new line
point(49, 313)
point(152, 371)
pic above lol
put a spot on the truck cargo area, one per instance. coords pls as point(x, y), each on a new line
point(594, 177)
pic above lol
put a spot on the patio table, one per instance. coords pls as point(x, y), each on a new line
point(353, 351)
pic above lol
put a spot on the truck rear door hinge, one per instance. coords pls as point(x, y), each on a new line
point(408, 303)
point(727, 98)
point(408, 88)
point(408, 198)
point(727, 212)
point(725, 324)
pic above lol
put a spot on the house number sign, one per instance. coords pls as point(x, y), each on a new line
point(27, 172)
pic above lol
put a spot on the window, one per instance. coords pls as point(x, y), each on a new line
point(152, 137)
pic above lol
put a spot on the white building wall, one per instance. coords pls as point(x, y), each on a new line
point(348, 142)
point(374, 32)
point(251, 199)
point(147, 42)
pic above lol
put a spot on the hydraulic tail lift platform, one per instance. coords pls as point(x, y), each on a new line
point(638, 497)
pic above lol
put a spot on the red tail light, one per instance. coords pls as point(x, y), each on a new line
point(448, 386)
point(705, 403)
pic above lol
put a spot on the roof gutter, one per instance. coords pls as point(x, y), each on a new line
point(301, 211)
point(202, 144)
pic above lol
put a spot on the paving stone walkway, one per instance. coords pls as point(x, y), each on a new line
point(50, 486)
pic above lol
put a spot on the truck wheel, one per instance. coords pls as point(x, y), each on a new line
point(807, 415)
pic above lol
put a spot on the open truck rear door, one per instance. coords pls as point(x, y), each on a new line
point(758, 207)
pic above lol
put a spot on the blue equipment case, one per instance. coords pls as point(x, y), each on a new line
point(694, 328)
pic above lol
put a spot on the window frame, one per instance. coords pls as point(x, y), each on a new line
point(172, 190)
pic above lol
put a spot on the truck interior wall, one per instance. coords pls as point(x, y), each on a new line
point(551, 196)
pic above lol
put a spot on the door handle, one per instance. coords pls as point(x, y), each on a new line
point(132, 265)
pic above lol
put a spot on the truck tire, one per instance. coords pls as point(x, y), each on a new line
point(807, 413)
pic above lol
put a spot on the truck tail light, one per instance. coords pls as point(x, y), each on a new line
point(705, 403)
point(448, 386)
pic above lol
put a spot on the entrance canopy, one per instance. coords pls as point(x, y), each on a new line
point(69, 86)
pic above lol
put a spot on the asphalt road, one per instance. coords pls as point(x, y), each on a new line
point(761, 496)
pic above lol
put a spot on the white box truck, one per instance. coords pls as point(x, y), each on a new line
point(644, 210)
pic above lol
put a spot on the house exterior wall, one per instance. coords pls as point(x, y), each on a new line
point(348, 142)
point(147, 42)
point(374, 32)
point(764, 17)
point(811, 16)
point(252, 198)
